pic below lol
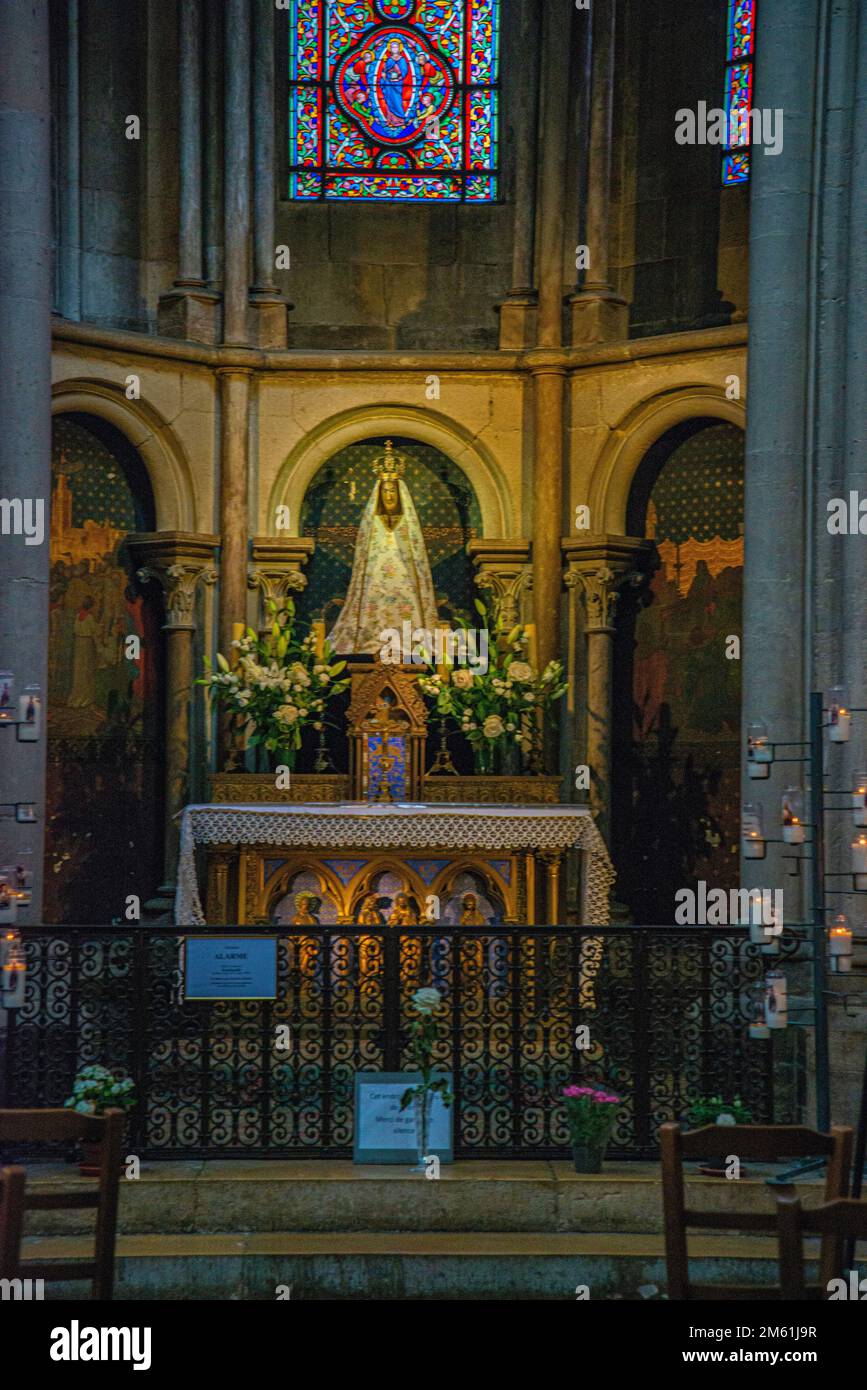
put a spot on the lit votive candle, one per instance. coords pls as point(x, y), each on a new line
point(859, 799)
point(839, 716)
point(840, 946)
point(859, 861)
point(760, 753)
point(754, 845)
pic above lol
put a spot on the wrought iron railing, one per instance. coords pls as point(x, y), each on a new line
point(665, 1010)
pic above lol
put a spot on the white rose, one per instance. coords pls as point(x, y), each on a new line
point(521, 671)
point(286, 714)
point(426, 1000)
point(493, 726)
point(462, 680)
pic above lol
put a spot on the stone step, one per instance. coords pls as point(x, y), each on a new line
point(411, 1265)
point(321, 1196)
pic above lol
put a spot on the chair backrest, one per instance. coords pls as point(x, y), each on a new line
point(11, 1220)
point(53, 1126)
point(760, 1143)
point(836, 1222)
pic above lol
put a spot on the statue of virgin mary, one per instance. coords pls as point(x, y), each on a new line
point(391, 580)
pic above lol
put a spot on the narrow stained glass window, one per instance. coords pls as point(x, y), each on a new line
point(393, 100)
point(739, 89)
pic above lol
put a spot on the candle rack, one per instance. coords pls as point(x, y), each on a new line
point(815, 929)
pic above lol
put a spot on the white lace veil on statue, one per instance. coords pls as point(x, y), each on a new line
point(391, 580)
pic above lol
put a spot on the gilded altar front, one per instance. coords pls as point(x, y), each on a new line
point(400, 865)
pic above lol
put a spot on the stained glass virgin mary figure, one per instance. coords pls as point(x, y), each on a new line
point(391, 580)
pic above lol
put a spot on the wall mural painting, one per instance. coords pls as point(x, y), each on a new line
point(679, 788)
point(103, 810)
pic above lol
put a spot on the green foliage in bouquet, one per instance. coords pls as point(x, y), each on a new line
point(279, 685)
point(504, 703)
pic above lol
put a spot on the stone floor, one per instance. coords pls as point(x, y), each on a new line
point(232, 1229)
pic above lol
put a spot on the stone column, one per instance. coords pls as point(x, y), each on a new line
point(518, 311)
point(503, 570)
point(70, 180)
point(234, 525)
point(553, 168)
point(177, 562)
point(277, 569)
point(598, 314)
point(597, 568)
point(269, 308)
point(236, 183)
point(190, 309)
point(775, 660)
point(549, 391)
point(26, 293)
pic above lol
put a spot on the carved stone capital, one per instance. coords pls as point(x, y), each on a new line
point(598, 567)
point(178, 562)
point(277, 565)
point(503, 571)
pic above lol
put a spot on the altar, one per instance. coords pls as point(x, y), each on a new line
point(404, 864)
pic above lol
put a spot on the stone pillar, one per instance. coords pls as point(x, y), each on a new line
point(518, 311)
point(177, 562)
point(26, 293)
point(277, 569)
point(503, 570)
point(70, 180)
point(190, 310)
point(775, 624)
point(596, 569)
point(553, 172)
point(598, 314)
point(549, 393)
point(236, 182)
point(234, 526)
point(269, 308)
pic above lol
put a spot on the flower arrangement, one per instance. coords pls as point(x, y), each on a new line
point(279, 683)
point(96, 1089)
point(590, 1116)
point(713, 1110)
point(422, 1037)
point(501, 705)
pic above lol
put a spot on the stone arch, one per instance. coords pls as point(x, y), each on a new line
point(428, 427)
point(163, 456)
point(635, 434)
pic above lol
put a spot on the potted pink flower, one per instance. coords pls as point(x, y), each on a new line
point(590, 1115)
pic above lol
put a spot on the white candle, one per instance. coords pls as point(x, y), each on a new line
point(859, 861)
point(838, 713)
point(840, 946)
point(776, 1000)
point(859, 800)
point(794, 833)
point(760, 753)
point(759, 1029)
point(754, 845)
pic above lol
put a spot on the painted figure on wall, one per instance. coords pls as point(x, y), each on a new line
point(104, 700)
point(391, 577)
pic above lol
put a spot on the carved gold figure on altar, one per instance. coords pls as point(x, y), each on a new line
point(304, 916)
point(402, 914)
point(391, 580)
point(369, 914)
point(470, 914)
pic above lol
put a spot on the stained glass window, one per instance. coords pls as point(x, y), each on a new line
point(393, 100)
point(739, 89)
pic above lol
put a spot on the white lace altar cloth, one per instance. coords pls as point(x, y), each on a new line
point(366, 825)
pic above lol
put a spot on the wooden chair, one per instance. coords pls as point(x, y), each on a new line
point(762, 1144)
point(64, 1126)
point(835, 1223)
point(11, 1220)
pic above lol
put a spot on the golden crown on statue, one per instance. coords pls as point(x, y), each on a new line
point(389, 465)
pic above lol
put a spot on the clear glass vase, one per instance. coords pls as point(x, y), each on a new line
point(422, 1105)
